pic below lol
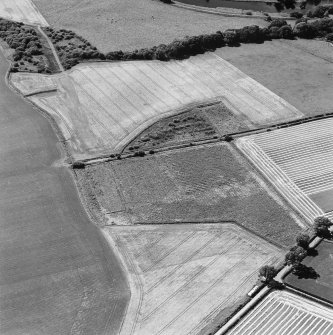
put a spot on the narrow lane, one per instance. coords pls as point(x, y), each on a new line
point(57, 273)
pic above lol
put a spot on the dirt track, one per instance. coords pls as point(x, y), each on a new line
point(57, 275)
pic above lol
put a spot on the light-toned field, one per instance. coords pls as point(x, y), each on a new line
point(182, 276)
point(128, 24)
point(283, 313)
point(194, 185)
point(299, 71)
point(22, 11)
point(102, 106)
point(298, 161)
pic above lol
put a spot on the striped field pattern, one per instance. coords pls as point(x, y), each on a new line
point(102, 106)
point(299, 162)
point(182, 276)
point(21, 11)
point(283, 313)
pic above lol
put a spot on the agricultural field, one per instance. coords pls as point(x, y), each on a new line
point(196, 184)
point(182, 276)
point(112, 26)
point(285, 313)
point(321, 287)
point(57, 273)
point(298, 162)
point(22, 11)
point(199, 123)
point(100, 107)
point(299, 71)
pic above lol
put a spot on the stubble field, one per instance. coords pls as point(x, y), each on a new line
point(182, 276)
point(101, 107)
point(298, 161)
point(190, 185)
point(285, 313)
point(21, 11)
point(128, 25)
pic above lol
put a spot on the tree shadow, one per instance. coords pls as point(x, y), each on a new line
point(305, 272)
point(312, 252)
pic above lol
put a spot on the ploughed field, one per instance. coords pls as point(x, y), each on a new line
point(57, 273)
point(183, 275)
point(284, 313)
point(322, 263)
point(22, 11)
point(298, 160)
point(211, 182)
point(100, 107)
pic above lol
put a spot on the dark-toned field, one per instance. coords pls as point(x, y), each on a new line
point(202, 183)
point(322, 287)
point(57, 274)
point(199, 123)
point(300, 71)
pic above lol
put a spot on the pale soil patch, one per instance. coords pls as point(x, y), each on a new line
point(128, 24)
point(194, 184)
point(300, 71)
point(285, 313)
point(181, 276)
point(299, 162)
point(22, 11)
point(102, 106)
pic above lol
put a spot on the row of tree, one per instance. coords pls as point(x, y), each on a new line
point(295, 256)
point(26, 44)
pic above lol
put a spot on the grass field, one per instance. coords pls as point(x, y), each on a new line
point(102, 106)
point(298, 71)
point(194, 184)
point(284, 313)
point(182, 276)
point(22, 11)
point(57, 273)
point(298, 161)
point(321, 287)
point(129, 25)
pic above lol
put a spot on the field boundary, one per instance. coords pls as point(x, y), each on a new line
point(203, 222)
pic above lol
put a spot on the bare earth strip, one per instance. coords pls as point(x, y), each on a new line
point(102, 106)
point(182, 276)
point(22, 11)
point(299, 162)
point(284, 313)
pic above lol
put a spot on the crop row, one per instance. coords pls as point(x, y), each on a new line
point(285, 314)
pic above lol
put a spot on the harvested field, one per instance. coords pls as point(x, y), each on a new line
point(298, 161)
point(194, 184)
point(298, 71)
point(128, 25)
point(182, 276)
point(321, 287)
point(101, 106)
point(22, 11)
point(285, 313)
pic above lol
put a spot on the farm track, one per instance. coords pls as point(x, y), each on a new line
point(286, 314)
point(114, 102)
point(299, 162)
